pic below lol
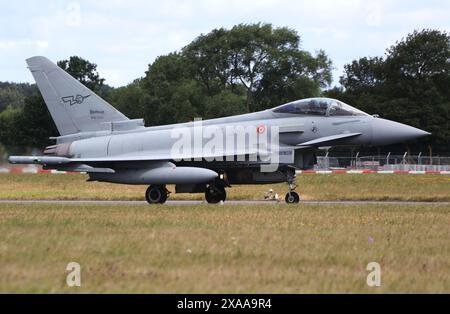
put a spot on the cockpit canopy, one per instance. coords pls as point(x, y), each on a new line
point(319, 107)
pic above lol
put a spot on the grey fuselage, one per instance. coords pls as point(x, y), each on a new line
point(294, 129)
point(199, 156)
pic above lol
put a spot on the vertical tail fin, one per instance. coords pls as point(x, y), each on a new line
point(73, 106)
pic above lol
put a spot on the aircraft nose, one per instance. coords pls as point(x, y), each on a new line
point(385, 132)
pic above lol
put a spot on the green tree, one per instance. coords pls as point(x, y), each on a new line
point(225, 103)
point(170, 93)
point(410, 84)
point(247, 68)
point(32, 125)
point(128, 99)
point(10, 129)
point(363, 75)
point(266, 61)
point(11, 96)
point(84, 71)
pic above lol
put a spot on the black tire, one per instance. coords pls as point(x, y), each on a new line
point(214, 194)
point(156, 195)
point(164, 197)
point(292, 198)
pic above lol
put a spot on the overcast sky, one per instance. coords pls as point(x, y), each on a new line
point(123, 36)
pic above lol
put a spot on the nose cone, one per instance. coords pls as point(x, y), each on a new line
point(387, 132)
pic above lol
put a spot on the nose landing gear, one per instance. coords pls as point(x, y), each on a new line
point(291, 196)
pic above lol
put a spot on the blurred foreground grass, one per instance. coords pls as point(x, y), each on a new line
point(239, 248)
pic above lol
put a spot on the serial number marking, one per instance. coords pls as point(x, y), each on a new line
point(246, 304)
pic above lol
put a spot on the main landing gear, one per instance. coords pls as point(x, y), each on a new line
point(156, 194)
point(291, 196)
point(215, 194)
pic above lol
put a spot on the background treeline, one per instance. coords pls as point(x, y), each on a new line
point(253, 67)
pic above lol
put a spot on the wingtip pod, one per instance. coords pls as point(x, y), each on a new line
point(38, 160)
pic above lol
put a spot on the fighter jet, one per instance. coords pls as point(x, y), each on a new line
point(207, 156)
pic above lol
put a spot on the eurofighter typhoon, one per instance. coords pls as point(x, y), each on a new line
point(199, 156)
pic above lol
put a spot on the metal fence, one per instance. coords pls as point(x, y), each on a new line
point(403, 162)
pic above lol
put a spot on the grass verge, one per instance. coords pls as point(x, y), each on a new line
point(221, 249)
point(377, 187)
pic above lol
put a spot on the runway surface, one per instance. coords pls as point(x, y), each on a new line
point(231, 202)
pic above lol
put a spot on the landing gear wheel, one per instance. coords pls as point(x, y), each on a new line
point(214, 194)
point(292, 198)
point(156, 194)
